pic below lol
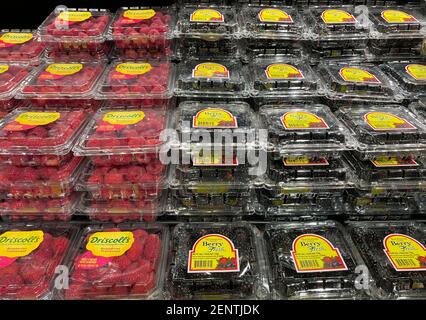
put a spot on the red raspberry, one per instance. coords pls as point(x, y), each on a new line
point(123, 262)
point(75, 292)
point(152, 247)
point(60, 245)
point(32, 273)
point(136, 251)
point(145, 284)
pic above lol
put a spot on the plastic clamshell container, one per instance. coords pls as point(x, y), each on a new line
point(419, 109)
point(129, 266)
point(82, 55)
point(211, 78)
point(237, 272)
point(389, 130)
point(12, 77)
point(124, 133)
point(223, 48)
point(314, 260)
point(283, 78)
point(31, 272)
point(394, 254)
point(20, 46)
point(304, 129)
point(411, 77)
point(358, 82)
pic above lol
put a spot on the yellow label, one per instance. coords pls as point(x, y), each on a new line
point(417, 71)
point(305, 161)
point(385, 121)
point(385, 161)
point(110, 244)
point(353, 74)
point(283, 71)
point(302, 120)
point(397, 16)
point(37, 118)
point(211, 188)
point(64, 69)
point(274, 15)
point(213, 253)
point(210, 70)
point(300, 190)
point(335, 16)
point(214, 118)
point(213, 160)
point(16, 37)
point(139, 14)
point(206, 15)
point(14, 244)
point(74, 16)
point(405, 253)
point(133, 68)
point(313, 253)
point(124, 117)
point(3, 68)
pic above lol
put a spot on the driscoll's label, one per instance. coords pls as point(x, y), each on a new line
point(16, 244)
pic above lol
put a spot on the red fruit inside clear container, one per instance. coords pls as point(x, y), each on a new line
point(20, 46)
point(129, 268)
point(37, 250)
point(11, 77)
point(80, 55)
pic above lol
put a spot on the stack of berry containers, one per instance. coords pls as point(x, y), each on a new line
point(76, 34)
point(306, 177)
point(387, 160)
point(20, 46)
point(124, 177)
point(38, 170)
point(143, 32)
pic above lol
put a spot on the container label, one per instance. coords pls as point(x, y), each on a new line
point(283, 71)
point(110, 244)
point(405, 253)
point(60, 70)
point(302, 120)
point(136, 16)
point(383, 162)
point(417, 71)
point(274, 15)
point(213, 253)
point(131, 70)
point(28, 120)
point(206, 15)
point(74, 16)
point(3, 68)
point(210, 70)
point(397, 16)
point(305, 161)
point(15, 244)
point(88, 261)
point(10, 39)
point(380, 121)
point(353, 74)
point(214, 118)
point(313, 253)
point(336, 16)
point(116, 120)
point(214, 160)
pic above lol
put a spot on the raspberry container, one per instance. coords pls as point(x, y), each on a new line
point(197, 270)
point(384, 130)
point(146, 32)
point(66, 56)
point(63, 84)
point(30, 137)
point(315, 260)
point(395, 256)
point(141, 83)
point(31, 254)
point(20, 46)
point(117, 262)
point(272, 32)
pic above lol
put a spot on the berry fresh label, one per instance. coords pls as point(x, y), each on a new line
point(352, 74)
point(29, 120)
point(206, 15)
point(74, 16)
point(214, 160)
point(131, 70)
point(304, 161)
point(15, 244)
point(60, 70)
point(397, 16)
point(136, 16)
point(405, 253)
point(116, 120)
point(274, 15)
point(380, 121)
point(283, 71)
point(335, 16)
point(383, 162)
point(10, 39)
point(213, 253)
point(3, 68)
point(313, 253)
point(215, 118)
point(302, 120)
point(210, 70)
point(110, 244)
point(417, 71)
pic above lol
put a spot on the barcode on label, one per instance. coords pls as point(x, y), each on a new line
point(405, 262)
point(203, 264)
point(309, 264)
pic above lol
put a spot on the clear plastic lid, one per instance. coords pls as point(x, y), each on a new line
point(110, 262)
point(122, 131)
point(410, 76)
point(303, 128)
point(20, 45)
point(63, 81)
point(75, 25)
point(61, 55)
point(12, 77)
point(384, 130)
point(272, 23)
point(395, 255)
point(137, 80)
point(419, 109)
point(315, 260)
point(211, 78)
point(283, 77)
point(197, 271)
point(28, 131)
point(357, 82)
point(208, 22)
point(30, 258)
